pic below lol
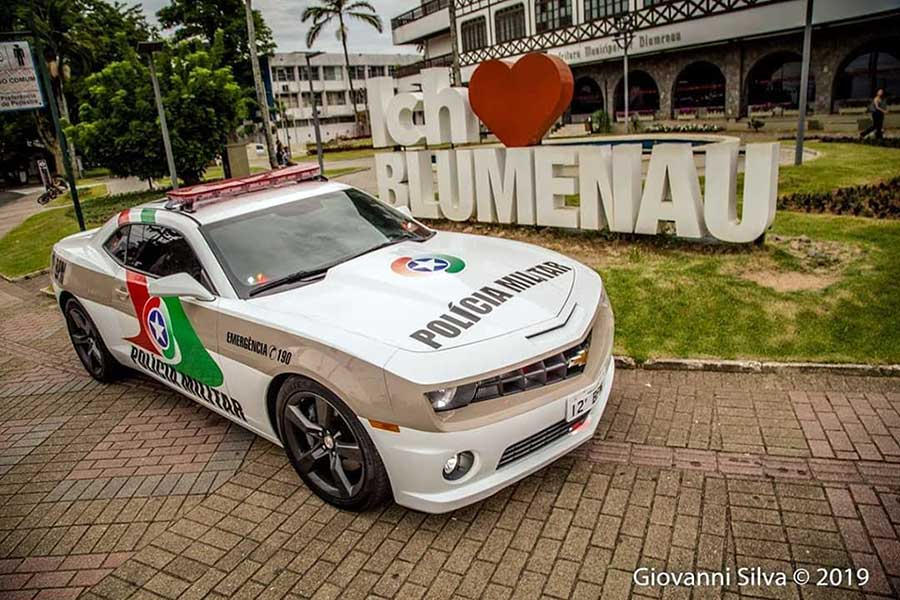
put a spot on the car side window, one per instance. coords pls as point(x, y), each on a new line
point(117, 244)
point(161, 251)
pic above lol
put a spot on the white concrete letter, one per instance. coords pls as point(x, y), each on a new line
point(455, 184)
point(399, 119)
point(421, 185)
point(551, 190)
point(672, 170)
point(595, 186)
point(504, 185)
point(379, 91)
point(390, 172)
point(448, 116)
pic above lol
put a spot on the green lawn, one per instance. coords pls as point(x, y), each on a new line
point(690, 304)
point(841, 165)
point(340, 155)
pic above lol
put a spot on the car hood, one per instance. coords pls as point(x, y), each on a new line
point(384, 296)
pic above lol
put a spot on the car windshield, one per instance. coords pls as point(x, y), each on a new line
point(282, 244)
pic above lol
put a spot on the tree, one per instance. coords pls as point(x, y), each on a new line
point(203, 18)
point(118, 126)
point(340, 11)
point(79, 37)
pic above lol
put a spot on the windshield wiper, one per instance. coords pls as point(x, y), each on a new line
point(313, 274)
point(292, 278)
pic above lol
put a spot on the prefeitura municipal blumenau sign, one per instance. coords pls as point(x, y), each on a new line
point(528, 184)
point(19, 88)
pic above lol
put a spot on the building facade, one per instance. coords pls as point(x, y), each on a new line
point(688, 59)
point(291, 79)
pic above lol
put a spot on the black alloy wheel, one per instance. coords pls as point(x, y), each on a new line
point(89, 345)
point(328, 447)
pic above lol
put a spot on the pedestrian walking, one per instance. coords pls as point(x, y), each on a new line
point(878, 110)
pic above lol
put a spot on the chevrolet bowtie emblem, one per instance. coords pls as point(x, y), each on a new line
point(579, 359)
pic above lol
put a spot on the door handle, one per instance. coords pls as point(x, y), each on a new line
point(121, 293)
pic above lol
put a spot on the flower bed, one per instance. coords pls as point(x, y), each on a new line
point(881, 201)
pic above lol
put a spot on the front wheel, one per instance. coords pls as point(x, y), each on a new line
point(89, 346)
point(328, 446)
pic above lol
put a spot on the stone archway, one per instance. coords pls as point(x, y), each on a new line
point(699, 90)
point(643, 96)
point(872, 66)
point(773, 83)
point(587, 97)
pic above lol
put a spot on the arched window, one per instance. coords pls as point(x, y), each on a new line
point(587, 97)
point(863, 72)
point(774, 82)
point(700, 85)
point(643, 95)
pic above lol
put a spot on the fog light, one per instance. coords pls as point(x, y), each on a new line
point(451, 463)
point(458, 465)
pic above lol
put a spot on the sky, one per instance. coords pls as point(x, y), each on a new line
point(283, 17)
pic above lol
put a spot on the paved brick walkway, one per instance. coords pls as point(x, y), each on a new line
point(132, 491)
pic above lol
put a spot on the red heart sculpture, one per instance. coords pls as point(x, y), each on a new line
point(519, 102)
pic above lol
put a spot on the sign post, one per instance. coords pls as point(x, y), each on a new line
point(20, 89)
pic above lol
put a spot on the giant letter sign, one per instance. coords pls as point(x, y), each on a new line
point(529, 185)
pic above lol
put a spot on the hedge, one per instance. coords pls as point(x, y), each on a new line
point(880, 201)
point(888, 142)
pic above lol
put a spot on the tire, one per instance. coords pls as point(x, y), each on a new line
point(89, 344)
point(314, 426)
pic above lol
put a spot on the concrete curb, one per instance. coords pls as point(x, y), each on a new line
point(755, 366)
point(26, 276)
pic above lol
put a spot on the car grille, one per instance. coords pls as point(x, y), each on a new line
point(535, 442)
point(552, 369)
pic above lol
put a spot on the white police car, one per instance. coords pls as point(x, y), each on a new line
point(385, 357)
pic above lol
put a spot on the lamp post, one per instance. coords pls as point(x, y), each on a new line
point(148, 49)
point(625, 27)
point(804, 83)
point(257, 83)
point(315, 109)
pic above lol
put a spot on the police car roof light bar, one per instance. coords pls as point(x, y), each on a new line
point(186, 199)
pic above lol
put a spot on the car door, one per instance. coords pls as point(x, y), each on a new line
point(171, 338)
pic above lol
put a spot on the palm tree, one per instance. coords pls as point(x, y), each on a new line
point(328, 11)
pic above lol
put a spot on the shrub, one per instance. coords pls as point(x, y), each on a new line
point(756, 124)
point(880, 201)
point(888, 142)
point(683, 128)
point(600, 122)
point(340, 144)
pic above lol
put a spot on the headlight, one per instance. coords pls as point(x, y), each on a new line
point(451, 398)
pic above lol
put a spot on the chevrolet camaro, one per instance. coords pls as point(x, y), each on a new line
point(387, 359)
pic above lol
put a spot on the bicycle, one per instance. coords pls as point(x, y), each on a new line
point(57, 187)
point(54, 185)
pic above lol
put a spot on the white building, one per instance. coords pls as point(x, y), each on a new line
point(706, 58)
point(331, 84)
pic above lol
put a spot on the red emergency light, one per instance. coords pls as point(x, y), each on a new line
point(187, 198)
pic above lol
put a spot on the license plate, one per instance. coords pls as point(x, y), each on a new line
point(582, 402)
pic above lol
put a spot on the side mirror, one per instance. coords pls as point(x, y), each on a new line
point(180, 285)
point(405, 210)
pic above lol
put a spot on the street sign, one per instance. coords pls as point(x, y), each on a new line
point(19, 88)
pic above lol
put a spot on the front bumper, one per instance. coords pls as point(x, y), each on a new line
point(414, 459)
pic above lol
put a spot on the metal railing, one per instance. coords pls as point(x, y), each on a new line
point(444, 60)
point(424, 9)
